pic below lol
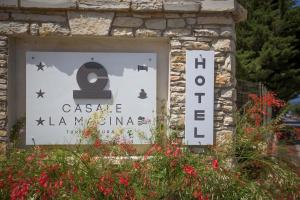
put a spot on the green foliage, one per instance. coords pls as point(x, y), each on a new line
point(268, 45)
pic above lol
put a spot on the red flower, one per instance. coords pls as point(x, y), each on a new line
point(136, 165)
point(1, 184)
point(30, 158)
point(43, 180)
point(105, 190)
point(154, 148)
point(97, 143)
point(249, 130)
point(215, 164)
point(124, 180)
point(173, 151)
point(200, 196)
point(19, 190)
point(58, 184)
point(75, 189)
point(105, 185)
point(189, 170)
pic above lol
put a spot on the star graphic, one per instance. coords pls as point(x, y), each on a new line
point(40, 66)
point(40, 121)
point(40, 94)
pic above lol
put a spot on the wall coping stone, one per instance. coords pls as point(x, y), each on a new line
point(167, 6)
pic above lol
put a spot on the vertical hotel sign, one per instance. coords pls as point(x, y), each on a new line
point(199, 98)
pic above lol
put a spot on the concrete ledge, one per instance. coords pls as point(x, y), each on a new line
point(8, 3)
point(167, 6)
point(182, 6)
point(56, 4)
point(218, 5)
point(104, 5)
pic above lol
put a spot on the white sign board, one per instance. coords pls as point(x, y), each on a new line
point(63, 90)
point(199, 98)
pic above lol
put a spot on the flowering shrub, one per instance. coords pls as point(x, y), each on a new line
point(165, 170)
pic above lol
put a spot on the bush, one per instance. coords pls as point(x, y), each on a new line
point(166, 170)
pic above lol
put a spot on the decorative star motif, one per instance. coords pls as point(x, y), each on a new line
point(40, 66)
point(40, 121)
point(40, 94)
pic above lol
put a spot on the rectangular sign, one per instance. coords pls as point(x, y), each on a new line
point(199, 125)
point(64, 89)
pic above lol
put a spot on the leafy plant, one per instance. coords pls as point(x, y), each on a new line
point(167, 169)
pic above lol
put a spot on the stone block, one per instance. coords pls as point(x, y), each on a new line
point(122, 32)
point(188, 38)
point(218, 6)
point(215, 20)
point(38, 17)
point(3, 93)
point(177, 32)
point(178, 59)
point(178, 67)
point(228, 120)
point(57, 4)
point(48, 29)
point(147, 5)
point(8, 3)
point(3, 43)
point(158, 24)
point(223, 79)
point(12, 28)
point(3, 133)
point(225, 45)
point(206, 33)
point(176, 23)
point(3, 86)
point(196, 45)
point(90, 23)
point(229, 62)
point(227, 93)
point(3, 81)
point(182, 6)
point(3, 116)
point(128, 22)
point(228, 32)
point(175, 44)
point(117, 5)
point(3, 56)
point(147, 33)
point(177, 89)
point(34, 29)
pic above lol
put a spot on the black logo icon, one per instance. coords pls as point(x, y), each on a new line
point(142, 68)
point(141, 120)
point(92, 90)
point(143, 94)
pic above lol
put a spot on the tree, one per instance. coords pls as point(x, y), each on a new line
point(268, 45)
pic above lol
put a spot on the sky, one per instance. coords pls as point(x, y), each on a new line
point(298, 2)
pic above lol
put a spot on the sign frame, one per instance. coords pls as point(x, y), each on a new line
point(200, 79)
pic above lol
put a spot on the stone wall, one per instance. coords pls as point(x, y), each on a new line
point(3, 92)
point(188, 24)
